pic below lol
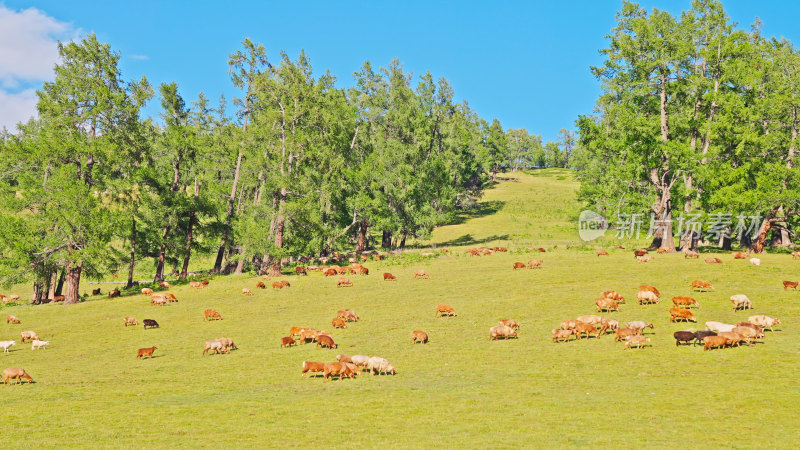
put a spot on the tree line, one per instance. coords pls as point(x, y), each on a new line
point(294, 166)
point(696, 116)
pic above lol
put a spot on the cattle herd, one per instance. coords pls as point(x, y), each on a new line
point(716, 335)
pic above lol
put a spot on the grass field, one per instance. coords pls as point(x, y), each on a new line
point(460, 390)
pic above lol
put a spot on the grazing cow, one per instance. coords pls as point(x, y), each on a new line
point(96, 291)
point(363, 271)
point(337, 368)
point(623, 333)
point(261, 285)
point(790, 284)
point(613, 295)
point(601, 253)
point(646, 298)
point(288, 341)
point(541, 250)
point(114, 293)
point(158, 300)
point(170, 296)
point(501, 331)
point(700, 335)
point(652, 289)
point(147, 291)
point(755, 261)
point(227, 342)
point(348, 315)
point(510, 323)
point(330, 272)
point(12, 319)
point(644, 259)
point(639, 325)
point(701, 285)
point(443, 309)
point(5, 345)
point(676, 314)
point(130, 321)
point(500, 249)
point(420, 274)
point(308, 335)
point(562, 335)
point(638, 341)
point(719, 327)
point(639, 252)
point(164, 285)
point(519, 265)
point(338, 323)
point(378, 365)
point(149, 323)
point(713, 261)
point(196, 284)
point(686, 337)
point(312, 366)
point(286, 284)
point(37, 344)
point(326, 341)
point(343, 282)
point(749, 332)
point(684, 302)
point(420, 336)
point(246, 291)
point(277, 285)
point(389, 277)
point(712, 342)
point(582, 328)
point(300, 270)
point(796, 255)
point(662, 250)
point(28, 336)
point(606, 304)
point(473, 251)
point(535, 264)
point(216, 347)
point(608, 324)
point(740, 301)
point(17, 374)
point(56, 299)
point(691, 254)
point(142, 352)
point(764, 321)
point(740, 255)
point(211, 314)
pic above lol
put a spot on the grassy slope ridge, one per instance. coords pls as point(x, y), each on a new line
point(459, 390)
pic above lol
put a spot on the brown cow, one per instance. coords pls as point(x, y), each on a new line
point(420, 336)
point(605, 304)
point(623, 333)
point(312, 366)
point(363, 270)
point(343, 282)
point(330, 272)
point(17, 374)
point(713, 261)
point(146, 352)
point(510, 323)
point(300, 270)
point(114, 293)
point(601, 253)
point(500, 249)
point(277, 285)
point(740, 255)
point(691, 254)
point(308, 335)
point(662, 250)
point(261, 285)
point(562, 335)
point(640, 252)
point(684, 302)
point(443, 309)
point(796, 255)
point(211, 314)
point(541, 250)
point(613, 295)
point(519, 265)
point(535, 263)
point(147, 291)
point(389, 277)
point(711, 342)
point(701, 285)
point(420, 274)
point(676, 314)
point(337, 368)
point(246, 291)
point(96, 291)
point(338, 323)
point(12, 319)
point(326, 341)
point(585, 328)
point(164, 285)
point(790, 284)
point(196, 284)
point(130, 321)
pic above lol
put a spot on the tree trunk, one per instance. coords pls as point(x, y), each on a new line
point(275, 263)
point(763, 230)
point(60, 285)
point(689, 241)
point(132, 262)
point(362, 236)
point(403, 241)
point(54, 280)
point(38, 292)
point(386, 239)
point(190, 228)
point(229, 215)
point(73, 280)
point(162, 256)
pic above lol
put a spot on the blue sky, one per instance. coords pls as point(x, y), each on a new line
point(525, 63)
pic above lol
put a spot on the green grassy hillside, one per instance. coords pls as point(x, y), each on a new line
point(460, 390)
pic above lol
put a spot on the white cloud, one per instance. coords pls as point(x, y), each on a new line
point(139, 57)
point(28, 53)
point(16, 107)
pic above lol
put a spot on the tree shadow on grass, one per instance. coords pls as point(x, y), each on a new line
point(467, 239)
point(482, 209)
